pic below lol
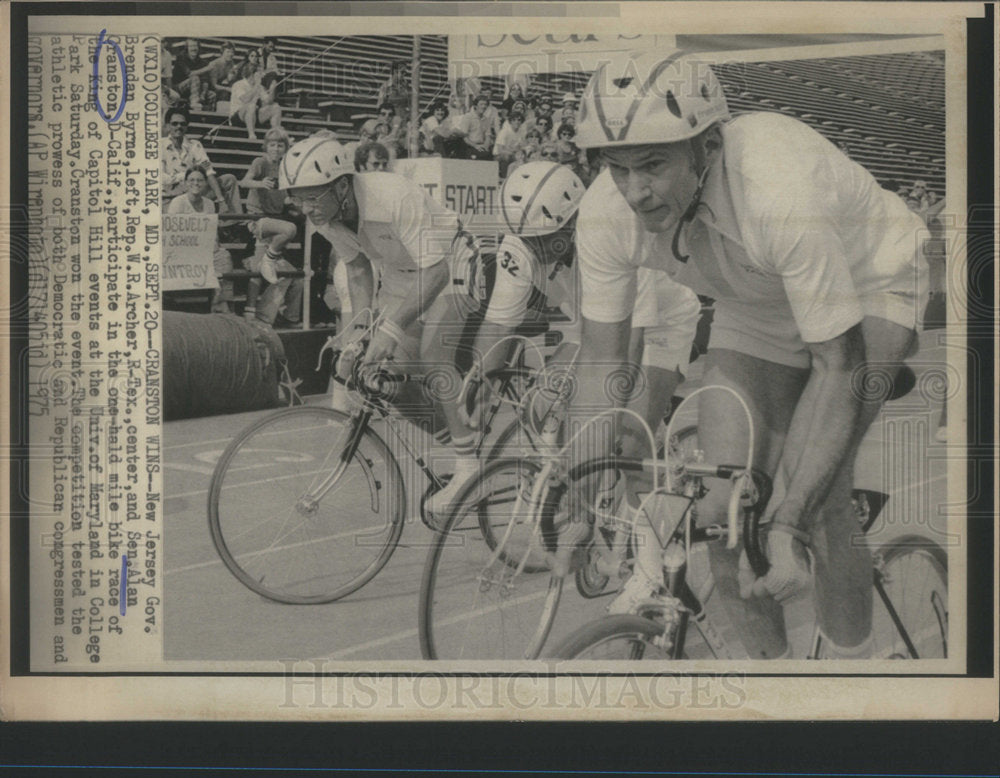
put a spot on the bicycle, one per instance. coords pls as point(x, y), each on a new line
point(910, 578)
point(480, 601)
point(491, 594)
point(307, 504)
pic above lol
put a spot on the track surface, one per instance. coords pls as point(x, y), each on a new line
point(210, 616)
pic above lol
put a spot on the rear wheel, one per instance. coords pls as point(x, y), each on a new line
point(913, 574)
point(486, 591)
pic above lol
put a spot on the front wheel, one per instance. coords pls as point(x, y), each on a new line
point(304, 507)
point(615, 638)
point(486, 591)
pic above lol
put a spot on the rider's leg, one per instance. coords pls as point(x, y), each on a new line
point(771, 391)
point(444, 333)
point(841, 560)
point(654, 388)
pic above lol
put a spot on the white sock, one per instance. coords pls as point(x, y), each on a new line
point(861, 651)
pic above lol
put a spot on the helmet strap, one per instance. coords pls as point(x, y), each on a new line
point(701, 166)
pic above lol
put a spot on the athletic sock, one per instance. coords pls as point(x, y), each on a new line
point(861, 651)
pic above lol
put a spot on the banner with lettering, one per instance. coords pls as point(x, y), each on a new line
point(188, 246)
point(510, 56)
point(469, 188)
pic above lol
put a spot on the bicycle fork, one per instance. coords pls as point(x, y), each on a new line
point(309, 502)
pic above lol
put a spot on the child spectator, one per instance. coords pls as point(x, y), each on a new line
point(272, 234)
point(193, 200)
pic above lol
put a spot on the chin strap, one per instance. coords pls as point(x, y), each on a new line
point(692, 209)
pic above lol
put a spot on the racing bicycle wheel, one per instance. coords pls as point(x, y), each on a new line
point(304, 507)
point(486, 592)
point(911, 621)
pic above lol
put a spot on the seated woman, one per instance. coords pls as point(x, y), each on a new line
point(193, 200)
point(251, 104)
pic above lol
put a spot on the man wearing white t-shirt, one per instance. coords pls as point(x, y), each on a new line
point(385, 230)
point(816, 277)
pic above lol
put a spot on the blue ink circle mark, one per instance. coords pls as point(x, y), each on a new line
point(101, 41)
point(121, 585)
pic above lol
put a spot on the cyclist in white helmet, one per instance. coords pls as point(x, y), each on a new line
point(534, 262)
point(816, 276)
point(390, 236)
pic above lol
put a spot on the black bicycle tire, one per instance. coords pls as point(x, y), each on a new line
point(215, 488)
point(440, 541)
point(618, 626)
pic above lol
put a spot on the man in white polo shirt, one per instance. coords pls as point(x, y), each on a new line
point(816, 276)
point(397, 245)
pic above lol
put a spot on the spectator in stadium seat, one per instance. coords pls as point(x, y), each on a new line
point(178, 154)
point(509, 140)
point(543, 110)
point(269, 57)
point(396, 91)
point(475, 131)
point(428, 129)
point(194, 200)
point(170, 95)
point(221, 72)
point(282, 224)
point(491, 111)
point(189, 68)
point(514, 95)
point(532, 142)
point(568, 154)
point(394, 137)
point(371, 157)
point(544, 126)
point(447, 141)
point(252, 104)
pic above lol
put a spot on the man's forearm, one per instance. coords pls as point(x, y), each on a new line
point(601, 374)
point(822, 435)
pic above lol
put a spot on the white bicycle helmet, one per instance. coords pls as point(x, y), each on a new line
point(649, 97)
point(540, 197)
point(314, 161)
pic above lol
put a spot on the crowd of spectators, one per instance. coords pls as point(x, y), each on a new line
point(249, 84)
point(470, 125)
point(519, 130)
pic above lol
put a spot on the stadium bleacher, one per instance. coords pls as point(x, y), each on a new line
point(886, 111)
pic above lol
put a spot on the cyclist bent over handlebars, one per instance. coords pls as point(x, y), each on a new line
point(816, 276)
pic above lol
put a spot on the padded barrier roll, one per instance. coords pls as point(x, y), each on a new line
point(218, 363)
